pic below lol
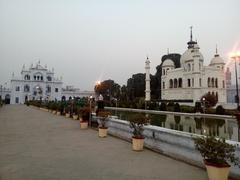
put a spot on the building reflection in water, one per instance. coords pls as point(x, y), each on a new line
point(226, 128)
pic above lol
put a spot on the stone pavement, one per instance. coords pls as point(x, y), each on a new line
point(38, 145)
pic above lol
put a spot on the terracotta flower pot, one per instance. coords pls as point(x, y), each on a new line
point(102, 131)
point(83, 124)
point(217, 172)
point(137, 144)
point(75, 117)
point(67, 115)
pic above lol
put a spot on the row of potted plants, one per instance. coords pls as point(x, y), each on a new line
point(216, 152)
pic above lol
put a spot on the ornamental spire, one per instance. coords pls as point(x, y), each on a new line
point(191, 33)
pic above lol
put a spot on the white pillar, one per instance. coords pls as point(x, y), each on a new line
point(147, 81)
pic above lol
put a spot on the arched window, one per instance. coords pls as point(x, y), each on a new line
point(175, 83)
point(166, 71)
point(209, 83)
point(180, 82)
point(223, 85)
point(192, 67)
point(200, 82)
point(48, 89)
point(216, 83)
point(26, 88)
point(217, 96)
point(49, 78)
point(189, 82)
point(26, 77)
point(41, 78)
point(163, 85)
point(212, 82)
point(189, 67)
point(170, 83)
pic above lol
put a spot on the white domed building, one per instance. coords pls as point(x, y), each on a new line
point(35, 83)
point(189, 82)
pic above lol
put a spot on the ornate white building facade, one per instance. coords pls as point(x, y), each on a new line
point(35, 83)
point(193, 79)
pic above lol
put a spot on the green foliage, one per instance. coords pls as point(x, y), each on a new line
point(103, 117)
point(137, 122)
point(198, 107)
point(163, 106)
point(216, 151)
point(210, 100)
point(187, 109)
point(108, 89)
point(177, 108)
point(220, 110)
point(85, 113)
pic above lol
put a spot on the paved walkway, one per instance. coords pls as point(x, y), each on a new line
point(39, 145)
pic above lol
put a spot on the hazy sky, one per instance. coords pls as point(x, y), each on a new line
point(108, 39)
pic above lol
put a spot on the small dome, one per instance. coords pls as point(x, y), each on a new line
point(189, 53)
point(168, 62)
point(217, 60)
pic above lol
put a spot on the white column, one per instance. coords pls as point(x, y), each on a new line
point(147, 81)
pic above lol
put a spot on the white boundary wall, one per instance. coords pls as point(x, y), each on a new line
point(175, 144)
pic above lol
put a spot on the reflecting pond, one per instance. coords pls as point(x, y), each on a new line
point(226, 128)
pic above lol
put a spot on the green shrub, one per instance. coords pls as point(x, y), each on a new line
point(187, 109)
point(220, 110)
point(177, 107)
point(216, 150)
point(163, 106)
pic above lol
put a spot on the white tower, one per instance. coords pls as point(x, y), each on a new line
point(147, 81)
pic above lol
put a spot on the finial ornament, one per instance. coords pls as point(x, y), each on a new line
point(191, 33)
point(216, 49)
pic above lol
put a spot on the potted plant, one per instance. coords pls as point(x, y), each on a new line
point(102, 120)
point(67, 111)
point(85, 114)
point(75, 112)
point(217, 155)
point(54, 107)
point(58, 109)
point(137, 123)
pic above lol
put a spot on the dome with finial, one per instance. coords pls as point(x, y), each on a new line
point(189, 54)
point(216, 60)
point(193, 50)
point(168, 63)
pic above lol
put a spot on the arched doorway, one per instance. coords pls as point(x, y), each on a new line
point(7, 99)
point(26, 98)
point(63, 98)
point(37, 92)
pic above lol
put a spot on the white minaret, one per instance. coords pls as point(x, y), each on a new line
point(147, 81)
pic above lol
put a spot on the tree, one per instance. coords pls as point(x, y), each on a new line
point(108, 89)
point(210, 100)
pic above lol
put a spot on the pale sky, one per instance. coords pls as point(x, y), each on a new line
point(85, 41)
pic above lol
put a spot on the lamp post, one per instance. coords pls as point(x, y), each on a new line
point(90, 115)
point(236, 57)
point(1, 93)
point(204, 106)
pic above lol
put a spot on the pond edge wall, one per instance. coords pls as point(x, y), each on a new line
point(176, 144)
